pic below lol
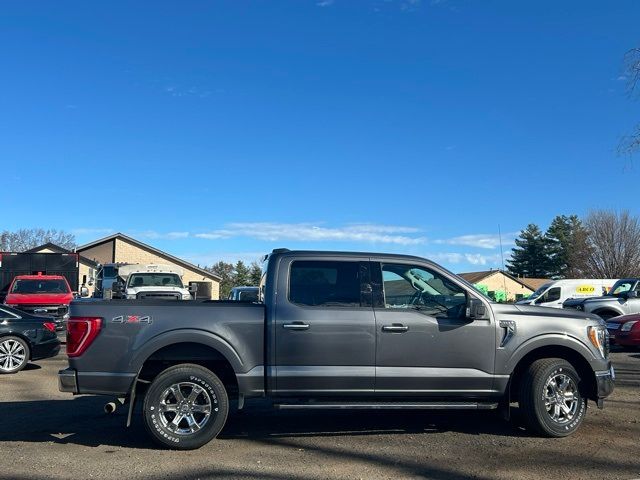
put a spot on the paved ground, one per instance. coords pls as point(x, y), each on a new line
point(46, 434)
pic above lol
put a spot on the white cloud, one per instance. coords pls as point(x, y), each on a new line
point(304, 232)
point(324, 3)
point(472, 258)
point(480, 240)
point(153, 235)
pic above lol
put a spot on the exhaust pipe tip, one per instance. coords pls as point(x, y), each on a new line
point(110, 407)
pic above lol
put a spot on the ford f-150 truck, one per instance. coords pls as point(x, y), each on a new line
point(336, 331)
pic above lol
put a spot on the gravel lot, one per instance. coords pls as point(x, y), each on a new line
point(47, 434)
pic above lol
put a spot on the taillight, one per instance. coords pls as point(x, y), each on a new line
point(81, 332)
point(50, 326)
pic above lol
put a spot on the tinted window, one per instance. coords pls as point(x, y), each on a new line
point(316, 283)
point(154, 280)
point(553, 295)
point(409, 286)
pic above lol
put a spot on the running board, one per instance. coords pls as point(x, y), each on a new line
point(387, 406)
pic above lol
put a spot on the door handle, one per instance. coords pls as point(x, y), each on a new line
point(295, 326)
point(395, 327)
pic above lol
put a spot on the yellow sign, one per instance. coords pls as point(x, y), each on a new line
point(585, 289)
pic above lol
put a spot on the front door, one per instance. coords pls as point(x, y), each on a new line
point(426, 345)
point(324, 328)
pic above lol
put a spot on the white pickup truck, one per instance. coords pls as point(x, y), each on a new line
point(153, 281)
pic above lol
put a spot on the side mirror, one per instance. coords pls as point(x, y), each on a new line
point(476, 310)
point(91, 281)
point(84, 292)
point(193, 288)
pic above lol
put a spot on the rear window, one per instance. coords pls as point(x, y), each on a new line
point(325, 283)
point(154, 280)
point(40, 286)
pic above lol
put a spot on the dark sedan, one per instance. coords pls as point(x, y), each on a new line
point(625, 330)
point(25, 337)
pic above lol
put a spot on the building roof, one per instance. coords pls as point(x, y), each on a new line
point(531, 283)
point(534, 283)
point(176, 260)
point(58, 249)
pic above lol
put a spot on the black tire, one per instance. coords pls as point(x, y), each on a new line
point(163, 404)
point(548, 417)
point(14, 354)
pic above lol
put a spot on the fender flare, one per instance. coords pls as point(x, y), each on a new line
point(548, 340)
point(609, 308)
point(185, 336)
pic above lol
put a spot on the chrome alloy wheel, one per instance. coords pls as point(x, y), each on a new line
point(185, 408)
point(561, 398)
point(12, 355)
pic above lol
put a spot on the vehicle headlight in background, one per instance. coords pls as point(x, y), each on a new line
point(628, 326)
point(599, 338)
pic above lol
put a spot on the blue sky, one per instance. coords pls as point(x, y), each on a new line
point(220, 130)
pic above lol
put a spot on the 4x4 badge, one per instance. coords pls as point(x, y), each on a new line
point(132, 319)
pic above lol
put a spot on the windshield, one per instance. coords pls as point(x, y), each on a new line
point(40, 286)
point(621, 286)
point(110, 272)
point(154, 280)
point(539, 291)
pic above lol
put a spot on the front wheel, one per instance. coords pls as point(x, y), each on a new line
point(550, 398)
point(185, 407)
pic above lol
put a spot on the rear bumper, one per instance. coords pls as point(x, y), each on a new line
point(100, 383)
point(605, 382)
point(46, 349)
point(67, 381)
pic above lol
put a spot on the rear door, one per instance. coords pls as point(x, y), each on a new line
point(324, 327)
point(426, 346)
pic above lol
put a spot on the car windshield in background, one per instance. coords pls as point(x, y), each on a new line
point(539, 291)
point(620, 287)
point(110, 272)
point(40, 286)
point(154, 280)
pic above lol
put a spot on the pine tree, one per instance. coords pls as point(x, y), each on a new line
point(227, 277)
point(241, 275)
point(529, 256)
point(255, 274)
point(567, 247)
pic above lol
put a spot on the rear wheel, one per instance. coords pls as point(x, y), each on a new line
point(14, 354)
point(550, 398)
point(185, 407)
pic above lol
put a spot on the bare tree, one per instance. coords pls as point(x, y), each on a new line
point(614, 244)
point(27, 238)
point(630, 144)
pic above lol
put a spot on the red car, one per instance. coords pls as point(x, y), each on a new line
point(625, 330)
point(41, 295)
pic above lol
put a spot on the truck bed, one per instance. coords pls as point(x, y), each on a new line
point(134, 330)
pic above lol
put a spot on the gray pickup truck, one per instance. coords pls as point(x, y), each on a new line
point(338, 331)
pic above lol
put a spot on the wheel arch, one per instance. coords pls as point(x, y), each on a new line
point(613, 311)
point(571, 355)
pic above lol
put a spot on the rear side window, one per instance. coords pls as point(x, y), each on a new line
point(325, 283)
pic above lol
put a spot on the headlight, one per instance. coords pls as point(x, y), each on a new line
point(628, 326)
point(599, 338)
point(186, 296)
point(66, 316)
point(131, 297)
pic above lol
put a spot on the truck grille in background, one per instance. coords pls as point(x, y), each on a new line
point(158, 296)
point(54, 310)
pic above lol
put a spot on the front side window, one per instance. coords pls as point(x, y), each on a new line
point(329, 284)
point(552, 295)
point(419, 288)
point(155, 280)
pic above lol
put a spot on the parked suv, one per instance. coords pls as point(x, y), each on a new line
point(339, 330)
